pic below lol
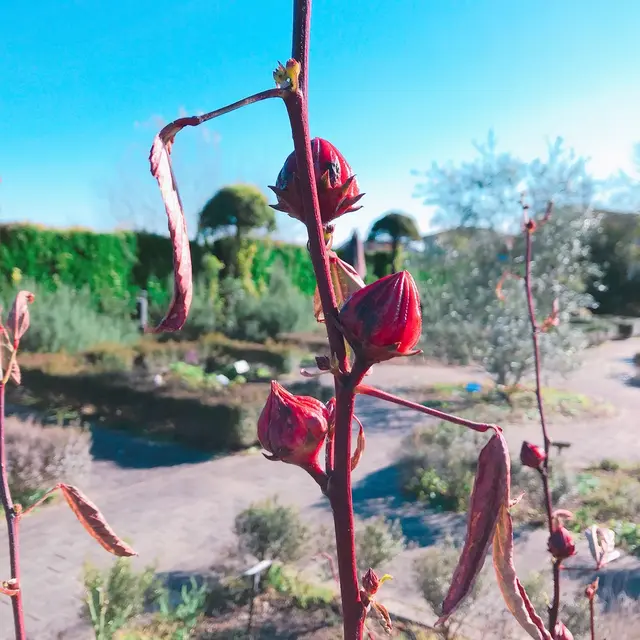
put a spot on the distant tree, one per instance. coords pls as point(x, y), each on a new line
point(463, 318)
point(239, 208)
point(485, 192)
point(397, 227)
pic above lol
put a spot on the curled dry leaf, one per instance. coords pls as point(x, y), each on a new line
point(182, 275)
point(490, 494)
point(357, 454)
point(18, 320)
point(94, 522)
point(512, 590)
point(385, 618)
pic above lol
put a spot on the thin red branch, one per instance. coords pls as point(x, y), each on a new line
point(389, 397)
point(339, 489)
point(544, 471)
point(12, 519)
point(592, 618)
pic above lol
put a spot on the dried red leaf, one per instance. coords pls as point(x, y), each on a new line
point(385, 618)
point(512, 590)
point(15, 373)
point(94, 522)
point(182, 276)
point(18, 320)
point(490, 494)
point(357, 454)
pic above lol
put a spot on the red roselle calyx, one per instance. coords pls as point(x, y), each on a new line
point(561, 545)
point(384, 319)
point(345, 280)
point(292, 428)
point(337, 186)
point(562, 633)
point(531, 455)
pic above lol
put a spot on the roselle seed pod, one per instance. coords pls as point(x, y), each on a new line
point(384, 319)
point(561, 545)
point(561, 632)
point(292, 428)
point(531, 455)
point(336, 183)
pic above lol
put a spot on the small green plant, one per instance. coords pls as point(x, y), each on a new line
point(268, 530)
point(116, 595)
point(188, 610)
point(378, 541)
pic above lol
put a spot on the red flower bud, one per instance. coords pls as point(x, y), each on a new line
point(561, 545)
point(592, 589)
point(292, 428)
point(370, 582)
point(337, 187)
point(561, 632)
point(531, 455)
point(384, 319)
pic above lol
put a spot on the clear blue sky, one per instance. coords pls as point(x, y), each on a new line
point(395, 85)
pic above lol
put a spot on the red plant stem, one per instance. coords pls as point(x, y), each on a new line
point(592, 618)
point(12, 527)
point(300, 40)
point(544, 471)
point(339, 489)
point(389, 397)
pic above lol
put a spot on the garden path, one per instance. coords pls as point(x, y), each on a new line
point(177, 508)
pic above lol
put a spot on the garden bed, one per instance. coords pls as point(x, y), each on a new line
point(491, 404)
point(206, 395)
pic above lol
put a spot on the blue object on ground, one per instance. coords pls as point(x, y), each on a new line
point(474, 387)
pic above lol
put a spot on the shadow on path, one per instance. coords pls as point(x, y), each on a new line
point(378, 494)
point(138, 453)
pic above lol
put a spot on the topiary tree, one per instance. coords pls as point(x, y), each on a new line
point(397, 226)
point(241, 207)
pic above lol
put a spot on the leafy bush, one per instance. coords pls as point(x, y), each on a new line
point(437, 465)
point(64, 319)
point(302, 594)
point(268, 530)
point(378, 541)
point(39, 457)
point(117, 594)
point(433, 571)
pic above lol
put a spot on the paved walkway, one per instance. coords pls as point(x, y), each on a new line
point(177, 509)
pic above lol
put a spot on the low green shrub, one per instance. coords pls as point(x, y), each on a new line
point(437, 465)
point(302, 594)
point(433, 571)
point(378, 541)
point(270, 531)
point(39, 457)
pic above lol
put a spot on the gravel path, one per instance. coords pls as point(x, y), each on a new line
point(177, 508)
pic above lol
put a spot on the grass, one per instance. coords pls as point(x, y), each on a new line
point(519, 404)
